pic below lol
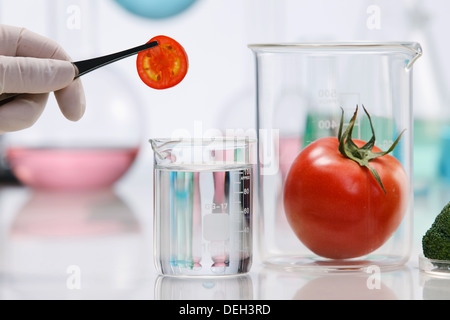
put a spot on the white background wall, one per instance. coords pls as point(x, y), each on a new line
point(218, 90)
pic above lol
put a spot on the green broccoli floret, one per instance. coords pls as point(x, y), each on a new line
point(436, 241)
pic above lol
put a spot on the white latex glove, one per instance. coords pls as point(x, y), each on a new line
point(35, 65)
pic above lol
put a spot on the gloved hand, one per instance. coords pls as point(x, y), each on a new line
point(35, 65)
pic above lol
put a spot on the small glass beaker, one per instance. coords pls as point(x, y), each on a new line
point(302, 90)
point(203, 206)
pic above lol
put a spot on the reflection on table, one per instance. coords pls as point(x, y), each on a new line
point(59, 242)
point(386, 285)
point(204, 288)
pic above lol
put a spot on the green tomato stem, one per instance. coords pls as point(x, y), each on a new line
point(361, 155)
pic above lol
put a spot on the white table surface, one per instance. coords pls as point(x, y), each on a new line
point(105, 239)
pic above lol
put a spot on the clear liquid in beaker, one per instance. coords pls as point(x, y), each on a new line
point(203, 220)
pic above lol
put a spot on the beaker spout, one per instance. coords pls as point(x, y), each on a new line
point(162, 147)
point(415, 52)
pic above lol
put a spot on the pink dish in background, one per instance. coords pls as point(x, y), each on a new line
point(70, 168)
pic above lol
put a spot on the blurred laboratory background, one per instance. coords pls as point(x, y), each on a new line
point(217, 93)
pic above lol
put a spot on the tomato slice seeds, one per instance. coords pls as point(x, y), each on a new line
point(163, 66)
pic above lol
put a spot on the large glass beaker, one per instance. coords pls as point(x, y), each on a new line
point(302, 92)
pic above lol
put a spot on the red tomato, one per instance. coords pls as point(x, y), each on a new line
point(336, 207)
point(163, 66)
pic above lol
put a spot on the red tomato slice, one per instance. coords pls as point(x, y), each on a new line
point(163, 66)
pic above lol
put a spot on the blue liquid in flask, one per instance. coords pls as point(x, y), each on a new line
point(155, 9)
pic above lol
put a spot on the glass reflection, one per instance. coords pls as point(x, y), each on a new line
point(78, 245)
point(370, 285)
point(204, 288)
